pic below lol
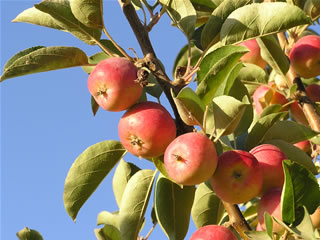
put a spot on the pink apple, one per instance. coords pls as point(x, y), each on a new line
point(254, 56)
point(315, 218)
point(271, 203)
point(304, 146)
point(112, 84)
point(213, 232)
point(146, 129)
point(238, 177)
point(305, 56)
point(270, 159)
point(190, 159)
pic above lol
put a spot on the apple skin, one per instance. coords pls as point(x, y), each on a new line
point(190, 159)
point(112, 84)
point(254, 56)
point(271, 202)
point(270, 159)
point(238, 177)
point(304, 146)
point(213, 232)
point(305, 56)
point(146, 129)
point(315, 218)
point(261, 92)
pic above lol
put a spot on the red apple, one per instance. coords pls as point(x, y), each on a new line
point(270, 159)
point(238, 177)
point(190, 159)
point(213, 232)
point(304, 146)
point(112, 84)
point(271, 203)
point(305, 56)
point(254, 56)
point(315, 218)
point(264, 96)
point(146, 129)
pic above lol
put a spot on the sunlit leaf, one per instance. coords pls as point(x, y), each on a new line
point(88, 12)
point(305, 229)
point(111, 228)
point(258, 235)
point(269, 223)
point(29, 234)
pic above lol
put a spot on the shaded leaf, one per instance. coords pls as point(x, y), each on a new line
point(94, 106)
point(29, 234)
point(44, 59)
point(88, 12)
point(258, 235)
point(211, 4)
point(111, 228)
point(153, 87)
point(88, 171)
point(173, 206)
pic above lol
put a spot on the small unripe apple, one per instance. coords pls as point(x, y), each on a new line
point(305, 56)
point(112, 84)
point(213, 232)
point(315, 218)
point(146, 129)
point(270, 159)
point(190, 159)
point(238, 177)
point(270, 202)
point(254, 56)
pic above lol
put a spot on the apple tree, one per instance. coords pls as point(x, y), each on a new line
point(239, 154)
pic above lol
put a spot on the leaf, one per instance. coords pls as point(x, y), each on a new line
point(44, 59)
point(305, 229)
point(210, 33)
point(312, 8)
point(111, 228)
point(182, 14)
point(94, 106)
point(121, 177)
point(272, 53)
point(88, 12)
point(258, 235)
point(60, 10)
point(133, 204)
point(259, 129)
point(153, 87)
point(37, 17)
point(29, 234)
point(214, 68)
point(260, 19)
point(300, 189)
point(88, 171)
point(212, 4)
point(269, 223)
point(207, 208)
point(190, 107)
point(173, 206)
point(294, 154)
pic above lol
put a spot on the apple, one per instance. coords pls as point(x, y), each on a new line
point(213, 232)
point(146, 129)
point(270, 159)
point(270, 202)
point(304, 146)
point(190, 159)
point(315, 218)
point(238, 177)
point(305, 56)
point(254, 56)
point(264, 96)
point(112, 84)
point(258, 227)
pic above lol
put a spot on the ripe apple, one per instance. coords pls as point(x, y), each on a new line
point(238, 177)
point(146, 129)
point(304, 146)
point(305, 56)
point(315, 218)
point(270, 202)
point(112, 84)
point(213, 232)
point(270, 159)
point(264, 96)
point(254, 56)
point(190, 159)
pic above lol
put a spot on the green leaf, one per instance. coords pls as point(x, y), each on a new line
point(212, 4)
point(60, 10)
point(305, 229)
point(273, 108)
point(173, 206)
point(269, 223)
point(44, 59)
point(88, 12)
point(37, 17)
point(94, 106)
point(312, 8)
point(190, 107)
point(111, 228)
point(121, 177)
point(255, 136)
point(207, 208)
point(88, 171)
point(261, 19)
point(294, 154)
point(29, 234)
point(300, 189)
point(258, 235)
point(153, 87)
point(133, 204)
point(210, 33)
point(272, 53)
point(214, 68)
point(182, 14)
